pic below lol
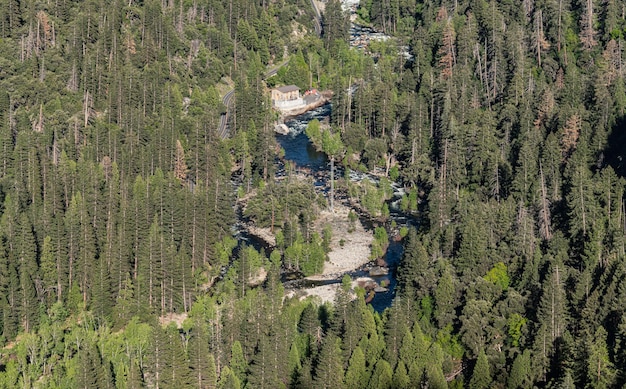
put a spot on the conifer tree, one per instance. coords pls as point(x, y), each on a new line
point(334, 23)
point(263, 370)
point(134, 379)
point(520, 375)
point(228, 380)
point(356, 374)
point(329, 367)
point(294, 363)
point(101, 295)
point(445, 299)
point(401, 377)
point(6, 135)
point(48, 271)
point(481, 375)
point(238, 364)
point(91, 372)
point(201, 361)
point(175, 371)
point(600, 370)
point(26, 256)
point(382, 376)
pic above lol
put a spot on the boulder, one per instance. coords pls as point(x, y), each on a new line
point(377, 271)
point(281, 129)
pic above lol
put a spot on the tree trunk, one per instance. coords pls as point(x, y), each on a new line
point(332, 184)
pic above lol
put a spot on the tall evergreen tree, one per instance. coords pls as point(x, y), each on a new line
point(329, 371)
point(481, 375)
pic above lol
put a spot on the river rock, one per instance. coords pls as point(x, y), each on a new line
point(366, 283)
point(281, 129)
point(380, 289)
point(378, 271)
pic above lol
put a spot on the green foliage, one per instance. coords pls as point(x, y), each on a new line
point(600, 373)
point(515, 323)
point(296, 72)
point(282, 204)
point(329, 372)
point(481, 375)
point(498, 276)
point(116, 203)
point(228, 379)
point(382, 376)
point(356, 374)
point(314, 132)
point(521, 373)
point(327, 233)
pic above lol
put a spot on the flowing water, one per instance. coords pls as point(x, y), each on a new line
point(297, 146)
point(299, 150)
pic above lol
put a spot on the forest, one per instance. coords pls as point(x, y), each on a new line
point(505, 126)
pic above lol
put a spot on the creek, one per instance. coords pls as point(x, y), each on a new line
point(300, 151)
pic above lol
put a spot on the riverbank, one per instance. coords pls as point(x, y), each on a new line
point(350, 246)
point(350, 249)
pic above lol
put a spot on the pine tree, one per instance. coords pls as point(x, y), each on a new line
point(263, 370)
point(447, 55)
point(580, 200)
point(600, 370)
point(26, 255)
point(10, 298)
point(102, 302)
point(180, 166)
point(238, 363)
point(445, 298)
point(6, 135)
point(228, 380)
point(587, 23)
point(401, 377)
point(552, 316)
point(335, 23)
point(413, 279)
point(382, 376)
point(481, 375)
point(434, 367)
point(157, 356)
point(135, 378)
point(294, 368)
point(202, 362)
point(329, 368)
point(149, 290)
point(475, 324)
point(356, 374)
point(92, 372)
point(520, 375)
point(48, 271)
point(175, 372)
point(310, 327)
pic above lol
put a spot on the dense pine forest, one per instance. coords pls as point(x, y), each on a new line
point(505, 125)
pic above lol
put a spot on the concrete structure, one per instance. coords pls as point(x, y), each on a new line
point(286, 97)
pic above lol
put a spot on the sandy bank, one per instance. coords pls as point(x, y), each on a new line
point(355, 250)
point(343, 259)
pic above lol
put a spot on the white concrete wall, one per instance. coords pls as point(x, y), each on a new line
point(289, 103)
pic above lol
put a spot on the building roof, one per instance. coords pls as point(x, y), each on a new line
point(287, 88)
